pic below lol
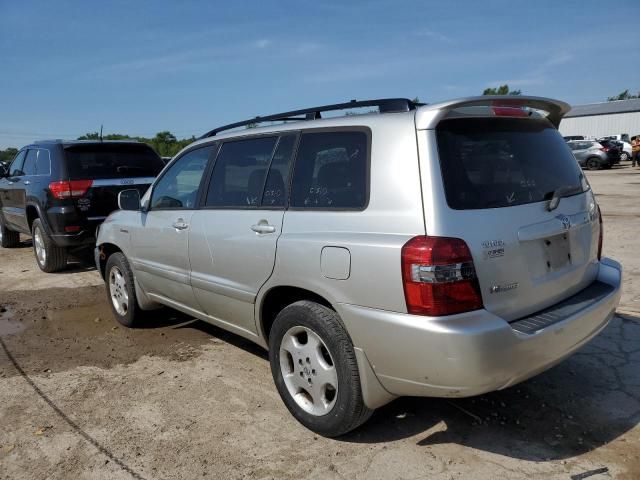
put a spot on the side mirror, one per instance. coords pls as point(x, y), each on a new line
point(129, 200)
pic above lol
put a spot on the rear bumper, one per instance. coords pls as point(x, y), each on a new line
point(475, 352)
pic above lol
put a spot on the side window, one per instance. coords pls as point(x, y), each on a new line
point(331, 171)
point(276, 189)
point(29, 167)
point(239, 174)
point(43, 162)
point(178, 187)
point(16, 165)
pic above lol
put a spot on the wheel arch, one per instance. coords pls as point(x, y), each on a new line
point(105, 251)
point(279, 297)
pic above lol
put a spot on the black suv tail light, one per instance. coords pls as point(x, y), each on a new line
point(70, 188)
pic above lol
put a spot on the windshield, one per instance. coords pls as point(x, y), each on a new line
point(94, 161)
point(503, 162)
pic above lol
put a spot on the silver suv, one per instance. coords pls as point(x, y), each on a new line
point(441, 250)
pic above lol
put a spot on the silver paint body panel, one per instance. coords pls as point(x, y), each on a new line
point(219, 270)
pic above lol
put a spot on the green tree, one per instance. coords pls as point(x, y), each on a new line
point(164, 143)
point(501, 90)
point(623, 96)
point(8, 154)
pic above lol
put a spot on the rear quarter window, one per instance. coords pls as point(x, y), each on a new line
point(331, 170)
point(96, 161)
point(503, 162)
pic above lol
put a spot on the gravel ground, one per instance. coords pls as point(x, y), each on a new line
point(81, 397)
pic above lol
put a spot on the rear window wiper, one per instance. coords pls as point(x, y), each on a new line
point(558, 193)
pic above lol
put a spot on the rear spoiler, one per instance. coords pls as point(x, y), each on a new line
point(427, 117)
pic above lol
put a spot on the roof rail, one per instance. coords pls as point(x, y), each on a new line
point(383, 104)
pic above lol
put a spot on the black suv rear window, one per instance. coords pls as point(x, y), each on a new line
point(502, 162)
point(95, 161)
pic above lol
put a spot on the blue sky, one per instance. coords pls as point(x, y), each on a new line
point(140, 67)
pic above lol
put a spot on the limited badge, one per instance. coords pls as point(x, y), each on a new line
point(504, 288)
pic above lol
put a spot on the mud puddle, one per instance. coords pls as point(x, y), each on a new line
point(65, 328)
point(8, 324)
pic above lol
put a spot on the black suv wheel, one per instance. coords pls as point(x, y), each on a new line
point(50, 257)
point(8, 239)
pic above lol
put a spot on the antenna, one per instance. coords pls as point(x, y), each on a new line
point(100, 132)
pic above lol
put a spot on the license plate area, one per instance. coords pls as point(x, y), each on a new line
point(557, 250)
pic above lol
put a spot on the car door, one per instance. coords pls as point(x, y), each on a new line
point(580, 151)
point(160, 241)
point(11, 211)
point(232, 242)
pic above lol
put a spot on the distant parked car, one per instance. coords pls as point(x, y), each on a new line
point(569, 138)
point(613, 149)
point(59, 192)
point(4, 168)
point(624, 145)
point(591, 155)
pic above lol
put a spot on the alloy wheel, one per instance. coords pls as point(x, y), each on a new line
point(308, 370)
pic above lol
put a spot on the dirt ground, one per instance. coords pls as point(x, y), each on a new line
point(81, 397)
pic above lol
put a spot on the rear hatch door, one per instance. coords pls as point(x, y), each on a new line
point(498, 179)
point(106, 169)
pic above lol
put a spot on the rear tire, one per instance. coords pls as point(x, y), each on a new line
point(49, 257)
point(314, 367)
point(624, 156)
point(593, 163)
point(121, 291)
point(8, 238)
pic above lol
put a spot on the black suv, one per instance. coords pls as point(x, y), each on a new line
point(59, 192)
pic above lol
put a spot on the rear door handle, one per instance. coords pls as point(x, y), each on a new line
point(263, 228)
point(180, 224)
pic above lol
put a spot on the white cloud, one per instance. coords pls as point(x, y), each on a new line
point(262, 43)
point(426, 32)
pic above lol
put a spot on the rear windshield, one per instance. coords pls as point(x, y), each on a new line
point(502, 162)
point(95, 161)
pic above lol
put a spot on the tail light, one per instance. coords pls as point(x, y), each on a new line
point(600, 235)
point(439, 276)
point(604, 149)
point(70, 188)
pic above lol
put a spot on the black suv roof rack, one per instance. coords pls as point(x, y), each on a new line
point(384, 105)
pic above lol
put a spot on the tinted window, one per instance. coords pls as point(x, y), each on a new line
point(331, 170)
point(276, 189)
point(29, 167)
point(93, 161)
point(240, 171)
point(16, 165)
point(43, 162)
point(178, 187)
point(490, 163)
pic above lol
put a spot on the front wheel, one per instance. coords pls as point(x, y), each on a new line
point(121, 290)
point(314, 367)
point(49, 256)
point(593, 164)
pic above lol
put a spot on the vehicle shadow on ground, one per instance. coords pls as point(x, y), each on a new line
point(226, 337)
point(585, 402)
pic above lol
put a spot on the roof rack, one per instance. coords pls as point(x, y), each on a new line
point(383, 104)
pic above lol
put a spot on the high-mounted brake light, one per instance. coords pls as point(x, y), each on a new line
point(70, 188)
point(500, 111)
point(439, 276)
